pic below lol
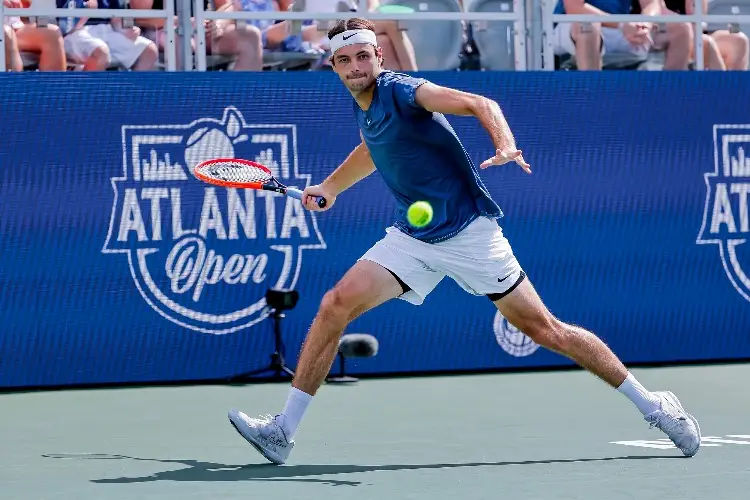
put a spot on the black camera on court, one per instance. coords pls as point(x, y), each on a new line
point(282, 299)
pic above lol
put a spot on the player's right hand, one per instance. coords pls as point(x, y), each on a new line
point(310, 194)
point(502, 157)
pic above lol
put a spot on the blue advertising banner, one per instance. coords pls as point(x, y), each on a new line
point(119, 266)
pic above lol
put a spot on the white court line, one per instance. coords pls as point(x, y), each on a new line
point(706, 441)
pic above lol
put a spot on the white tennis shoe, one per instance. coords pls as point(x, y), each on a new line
point(264, 433)
point(672, 419)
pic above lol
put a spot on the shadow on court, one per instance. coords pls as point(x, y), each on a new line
point(197, 471)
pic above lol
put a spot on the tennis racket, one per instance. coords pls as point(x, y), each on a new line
point(244, 174)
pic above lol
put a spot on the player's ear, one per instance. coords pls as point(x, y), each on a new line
point(379, 54)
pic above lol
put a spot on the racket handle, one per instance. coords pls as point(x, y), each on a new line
point(296, 193)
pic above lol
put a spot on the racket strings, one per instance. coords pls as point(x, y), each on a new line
point(237, 172)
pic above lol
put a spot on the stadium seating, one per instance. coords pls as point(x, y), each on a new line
point(494, 39)
point(441, 45)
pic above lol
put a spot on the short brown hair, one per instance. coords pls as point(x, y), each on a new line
point(355, 23)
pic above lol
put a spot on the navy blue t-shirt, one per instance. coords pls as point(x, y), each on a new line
point(420, 157)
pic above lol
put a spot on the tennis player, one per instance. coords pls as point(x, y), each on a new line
point(406, 137)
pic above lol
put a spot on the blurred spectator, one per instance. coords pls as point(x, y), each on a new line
point(12, 55)
point(275, 36)
point(46, 42)
point(223, 37)
point(97, 43)
point(398, 51)
point(590, 41)
point(722, 49)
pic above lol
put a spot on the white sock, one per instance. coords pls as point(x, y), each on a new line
point(644, 400)
point(296, 404)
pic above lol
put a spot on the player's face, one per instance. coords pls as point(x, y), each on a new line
point(357, 65)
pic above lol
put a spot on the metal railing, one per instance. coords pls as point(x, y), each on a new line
point(516, 17)
point(696, 20)
point(168, 14)
point(521, 28)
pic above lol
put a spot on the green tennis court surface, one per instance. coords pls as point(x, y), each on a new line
point(558, 435)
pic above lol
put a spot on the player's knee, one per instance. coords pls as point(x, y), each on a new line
point(347, 300)
point(337, 305)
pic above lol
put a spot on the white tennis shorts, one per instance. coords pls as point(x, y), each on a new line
point(80, 44)
point(479, 259)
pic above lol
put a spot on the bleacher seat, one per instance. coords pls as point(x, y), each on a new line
point(494, 39)
point(729, 7)
point(437, 44)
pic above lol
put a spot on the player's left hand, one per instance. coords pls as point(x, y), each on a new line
point(502, 157)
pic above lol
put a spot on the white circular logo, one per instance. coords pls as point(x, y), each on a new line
point(511, 339)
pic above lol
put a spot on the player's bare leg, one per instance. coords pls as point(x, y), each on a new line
point(524, 309)
point(365, 286)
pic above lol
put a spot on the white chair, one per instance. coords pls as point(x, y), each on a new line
point(494, 39)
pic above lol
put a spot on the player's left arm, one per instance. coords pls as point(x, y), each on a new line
point(438, 99)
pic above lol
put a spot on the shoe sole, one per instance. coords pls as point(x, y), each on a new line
point(256, 445)
point(692, 419)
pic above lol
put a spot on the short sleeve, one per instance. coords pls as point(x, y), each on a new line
point(403, 90)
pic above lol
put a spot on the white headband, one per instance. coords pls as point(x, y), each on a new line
point(351, 37)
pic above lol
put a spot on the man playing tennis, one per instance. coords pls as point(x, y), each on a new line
point(406, 137)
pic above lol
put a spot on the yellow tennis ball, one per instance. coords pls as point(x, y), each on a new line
point(419, 214)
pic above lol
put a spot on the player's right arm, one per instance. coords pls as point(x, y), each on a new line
point(355, 167)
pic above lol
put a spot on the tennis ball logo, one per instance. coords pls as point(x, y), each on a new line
point(215, 141)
